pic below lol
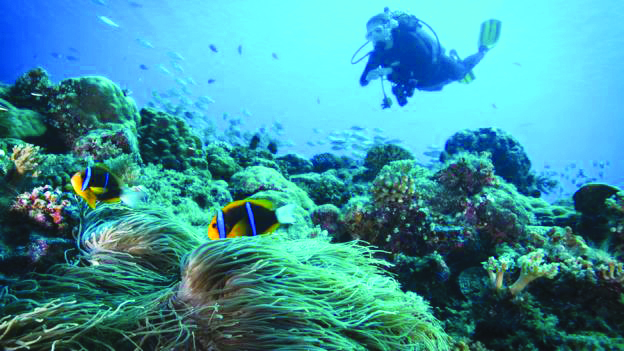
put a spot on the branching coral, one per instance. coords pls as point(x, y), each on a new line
point(26, 159)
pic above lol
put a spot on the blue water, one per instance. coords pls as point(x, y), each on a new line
point(554, 81)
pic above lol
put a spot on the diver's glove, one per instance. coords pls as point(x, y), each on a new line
point(378, 73)
point(399, 91)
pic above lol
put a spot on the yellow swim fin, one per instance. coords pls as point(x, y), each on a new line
point(490, 33)
point(468, 78)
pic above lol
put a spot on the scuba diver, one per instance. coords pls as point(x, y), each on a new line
point(406, 55)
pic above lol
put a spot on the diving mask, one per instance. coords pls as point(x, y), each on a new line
point(379, 32)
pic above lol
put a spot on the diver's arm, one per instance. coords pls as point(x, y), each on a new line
point(373, 62)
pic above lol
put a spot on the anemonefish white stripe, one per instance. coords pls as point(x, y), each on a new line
point(250, 216)
point(85, 182)
point(106, 180)
point(221, 225)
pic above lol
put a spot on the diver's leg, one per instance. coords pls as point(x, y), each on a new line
point(471, 61)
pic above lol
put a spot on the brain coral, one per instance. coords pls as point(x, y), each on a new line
point(380, 155)
point(167, 140)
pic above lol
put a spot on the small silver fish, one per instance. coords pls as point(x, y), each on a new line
point(108, 21)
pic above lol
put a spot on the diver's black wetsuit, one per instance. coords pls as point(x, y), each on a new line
point(419, 64)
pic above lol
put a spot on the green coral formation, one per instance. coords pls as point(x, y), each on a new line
point(167, 140)
point(324, 188)
point(220, 163)
point(83, 104)
point(189, 195)
point(20, 123)
point(257, 178)
point(380, 155)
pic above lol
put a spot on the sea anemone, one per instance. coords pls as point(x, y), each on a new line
point(266, 293)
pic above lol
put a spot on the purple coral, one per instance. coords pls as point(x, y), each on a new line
point(102, 146)
point(467, 174)
point(44, 205)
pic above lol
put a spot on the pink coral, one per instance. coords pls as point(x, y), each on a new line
point(44, 206)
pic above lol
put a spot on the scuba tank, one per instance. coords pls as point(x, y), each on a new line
point(406, 22)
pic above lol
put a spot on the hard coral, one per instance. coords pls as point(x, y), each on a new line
point(220, 163)
point(380, 155)
point(80, 105)
point(326, 161)
point(103, 144)
point(257, 178)
point(508, 156)
point(166, 139)
point(395, 183)
point(467, 174)
point(31, 89)
point(398, 228)
point(324, 188)
point(20, 123)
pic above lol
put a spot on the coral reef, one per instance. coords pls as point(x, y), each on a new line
point(326, 161)
point(20, 123)
point(80, 105)
point(189, 195)
point(469, 235)
point(327, 217)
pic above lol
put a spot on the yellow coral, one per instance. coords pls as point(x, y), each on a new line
point(395, 183)
point(26, 158)
point(533, 267)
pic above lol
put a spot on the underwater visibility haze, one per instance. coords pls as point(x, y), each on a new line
point(238, 175)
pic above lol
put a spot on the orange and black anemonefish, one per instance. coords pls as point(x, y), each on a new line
point(97, 183)
point(248, 217)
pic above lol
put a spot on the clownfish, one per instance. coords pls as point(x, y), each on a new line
point(98, 184)
point(249, 217)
